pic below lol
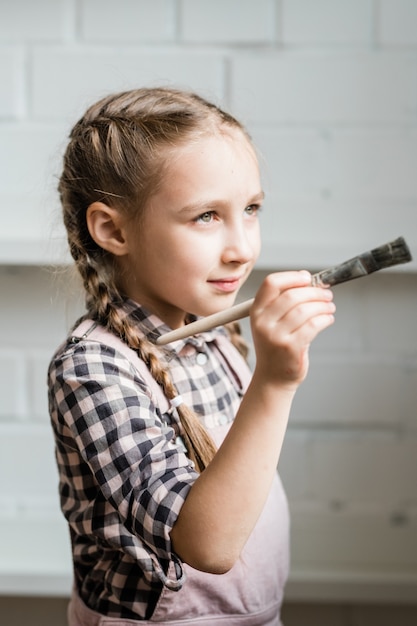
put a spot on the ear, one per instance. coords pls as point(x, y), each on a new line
point(107, 227)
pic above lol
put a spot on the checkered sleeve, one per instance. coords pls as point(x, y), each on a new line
point(133, 478)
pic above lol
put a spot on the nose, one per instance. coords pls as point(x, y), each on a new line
point(241, 244)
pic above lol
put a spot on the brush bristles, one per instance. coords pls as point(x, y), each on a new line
point(389, 254)
point(393, 253)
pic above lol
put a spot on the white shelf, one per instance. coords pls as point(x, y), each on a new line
point(316, 258)
point(44, 569)
point(273, 257)
point(352, 586)
point(34, 252)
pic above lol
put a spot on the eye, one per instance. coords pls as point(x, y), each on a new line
point(253, 209)
point(205, 218)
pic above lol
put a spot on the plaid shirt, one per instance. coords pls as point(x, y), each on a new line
point(123, 474)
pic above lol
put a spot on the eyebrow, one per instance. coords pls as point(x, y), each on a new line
point(205, 205)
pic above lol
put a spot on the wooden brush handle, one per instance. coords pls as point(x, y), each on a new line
point(236, 312)
point(389, 254)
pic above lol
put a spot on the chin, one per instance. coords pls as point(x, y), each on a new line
point(216, 305)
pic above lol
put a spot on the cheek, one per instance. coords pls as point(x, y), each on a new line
point(256, 240)
point(193, 250)
point(180, 260)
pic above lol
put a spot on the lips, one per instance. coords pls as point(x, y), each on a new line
point(226, 285)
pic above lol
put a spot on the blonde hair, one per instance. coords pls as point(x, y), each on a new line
point(116, 156)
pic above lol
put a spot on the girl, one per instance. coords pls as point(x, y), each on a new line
point(167, 456)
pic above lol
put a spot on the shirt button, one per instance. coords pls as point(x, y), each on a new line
point(201, 358)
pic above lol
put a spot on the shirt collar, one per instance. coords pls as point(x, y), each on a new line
point(153, 327)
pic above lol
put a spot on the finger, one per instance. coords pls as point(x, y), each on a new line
point(314, 321)
point(274, 284)
point(303, 313)
point(292, 299)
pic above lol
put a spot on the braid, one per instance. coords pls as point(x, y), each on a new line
point(102, 307)
point(199, 444)
point(235, 335)
point(116, 156)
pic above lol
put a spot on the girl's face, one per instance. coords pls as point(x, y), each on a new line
point(199, 237)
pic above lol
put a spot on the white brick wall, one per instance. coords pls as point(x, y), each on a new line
point(134, 21)
point(11, 82)
point(328, 90)
point(66, 80)
point(39, 21)
point(12, 379)
point(398, 23)
point(327, 22)
point(228, 21)
point(325, 87)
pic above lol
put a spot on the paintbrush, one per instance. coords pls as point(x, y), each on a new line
point(395, 252)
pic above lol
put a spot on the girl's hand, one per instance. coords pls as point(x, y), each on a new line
point(287, 314)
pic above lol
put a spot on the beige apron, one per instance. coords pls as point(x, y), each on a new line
point(250, 594)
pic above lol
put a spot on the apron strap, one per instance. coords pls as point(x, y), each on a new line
point(89, 330)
